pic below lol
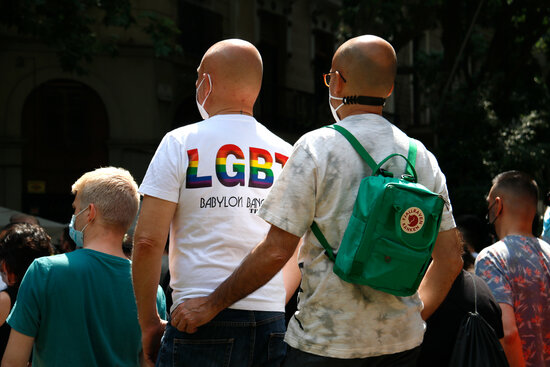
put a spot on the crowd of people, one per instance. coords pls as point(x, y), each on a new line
point(231, 206)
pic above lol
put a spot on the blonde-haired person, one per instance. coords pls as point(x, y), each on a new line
point(78, 309)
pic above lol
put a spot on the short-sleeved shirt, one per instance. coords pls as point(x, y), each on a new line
point(81, 310)
point(517, 270)
point(218, 171)
point(319, 183)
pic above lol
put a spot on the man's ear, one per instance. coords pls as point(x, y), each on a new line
point(499, 206)
point(338, 85)
point(205, 87)
point(92, 212)
point(391, 91)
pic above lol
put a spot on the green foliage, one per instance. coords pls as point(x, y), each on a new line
point(396, 21)
point(162, 31)
point(69, 26)
point(495, 114)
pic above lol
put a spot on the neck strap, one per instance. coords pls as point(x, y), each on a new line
point(364, 100)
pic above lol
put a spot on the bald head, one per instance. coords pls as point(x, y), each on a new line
point(369, 65)
point(235, 68)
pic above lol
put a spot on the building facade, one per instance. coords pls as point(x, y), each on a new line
point(55, 125)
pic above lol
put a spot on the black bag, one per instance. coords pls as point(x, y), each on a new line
point(477, 344)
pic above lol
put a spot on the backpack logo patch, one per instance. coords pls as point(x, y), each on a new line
point(412, 220)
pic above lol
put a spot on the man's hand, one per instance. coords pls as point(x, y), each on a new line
point(150, 339)
point(271, 254)
point(191, 314)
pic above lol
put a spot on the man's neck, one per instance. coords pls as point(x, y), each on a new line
point(233, 111)
point(349, 110)
point(515, 231)
point(106, 248)
point(104, 240)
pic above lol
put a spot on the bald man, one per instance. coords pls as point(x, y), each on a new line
point(339, 323)
point(516, 269)
point(204, 186)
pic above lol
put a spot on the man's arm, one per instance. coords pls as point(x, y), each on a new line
point(271, 254)
point(442, 272)
point(18, 350)
point(511, 343)
point(149, 242)
point(292, 276)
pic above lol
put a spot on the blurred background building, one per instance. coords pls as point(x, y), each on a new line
point(56, 124)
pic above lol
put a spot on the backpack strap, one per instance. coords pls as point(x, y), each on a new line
point(411, 158)
point(356, 145)
point(321, 238)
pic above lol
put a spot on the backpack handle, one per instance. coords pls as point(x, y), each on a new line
point(410, 167)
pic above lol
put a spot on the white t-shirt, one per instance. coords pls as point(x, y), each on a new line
point(319, 183)
point(218, 171)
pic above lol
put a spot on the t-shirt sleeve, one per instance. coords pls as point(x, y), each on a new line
point(165, 175)
point(490, 268)
point(26, 314)
point(290, 205)
point(440, 187)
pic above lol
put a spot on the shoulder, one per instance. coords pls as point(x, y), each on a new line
point(492, 258)
point(318, 138)
point(42, 266)
point(495, 249)
point(272, 138)
point(5, 305)
point(178, 135)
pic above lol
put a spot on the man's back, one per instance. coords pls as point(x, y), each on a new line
point(517, 270)
point(81, 310)
point(219, 172)
point(336, 318)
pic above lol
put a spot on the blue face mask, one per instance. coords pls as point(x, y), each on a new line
point(77, 236)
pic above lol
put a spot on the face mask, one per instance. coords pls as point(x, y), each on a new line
point(77, 236)
point(202, 111)
point(332, 109)
point(491, 223)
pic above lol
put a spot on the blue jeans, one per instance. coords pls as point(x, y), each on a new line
point(234, 338)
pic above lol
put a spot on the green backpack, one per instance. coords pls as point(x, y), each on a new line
point(390, 236)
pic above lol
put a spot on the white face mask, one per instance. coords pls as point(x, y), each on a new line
point(332, 109)
point(202, 111)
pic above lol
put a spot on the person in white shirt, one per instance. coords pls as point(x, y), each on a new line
point(339, 323)
point(204, 185)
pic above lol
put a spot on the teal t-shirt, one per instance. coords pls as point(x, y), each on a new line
point(81, 310)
